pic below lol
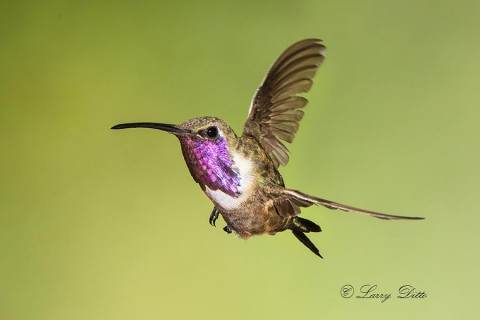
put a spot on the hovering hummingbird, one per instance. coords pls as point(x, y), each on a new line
point(240, 173)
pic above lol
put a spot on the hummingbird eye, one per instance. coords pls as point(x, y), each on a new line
point(212, 132)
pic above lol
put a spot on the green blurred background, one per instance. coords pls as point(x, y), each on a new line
point(102, 224)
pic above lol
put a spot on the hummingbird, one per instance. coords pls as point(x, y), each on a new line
point(240, 174)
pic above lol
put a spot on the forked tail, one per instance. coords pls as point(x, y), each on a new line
point(300, 226)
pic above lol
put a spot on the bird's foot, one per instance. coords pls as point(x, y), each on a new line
point(213, 216)
point(227, 229)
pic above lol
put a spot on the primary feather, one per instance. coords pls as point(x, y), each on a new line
point(275, 114)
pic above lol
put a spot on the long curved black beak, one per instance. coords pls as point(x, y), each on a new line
point(152, 125)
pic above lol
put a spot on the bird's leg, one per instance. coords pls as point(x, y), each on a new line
point(213, 216)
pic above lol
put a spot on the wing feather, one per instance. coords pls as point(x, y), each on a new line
point(300, 196)
point(287, 203)
point(274, 114)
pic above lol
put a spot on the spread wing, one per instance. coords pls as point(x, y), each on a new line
point(306, 200)
point(287, 203)
point(275, 111)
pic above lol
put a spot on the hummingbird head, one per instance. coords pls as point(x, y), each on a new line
point(207, 146)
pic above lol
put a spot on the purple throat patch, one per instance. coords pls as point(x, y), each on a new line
point(211, 165)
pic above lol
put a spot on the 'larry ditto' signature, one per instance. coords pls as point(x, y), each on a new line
point(370, 291)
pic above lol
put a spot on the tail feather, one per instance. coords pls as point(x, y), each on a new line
point(288, 198)
point(299, 227)
point(304, 225)
point(304, 239)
